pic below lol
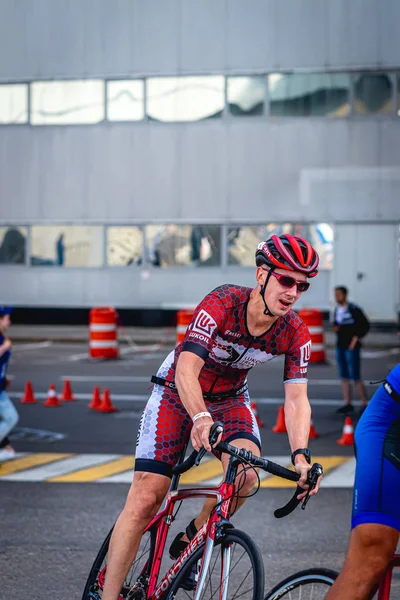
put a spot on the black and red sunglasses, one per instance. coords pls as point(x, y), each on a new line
point(286, 281)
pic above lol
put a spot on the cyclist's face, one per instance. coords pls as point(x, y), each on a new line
point(280, 299)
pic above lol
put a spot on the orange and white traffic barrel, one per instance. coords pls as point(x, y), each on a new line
point(103, 339)
point(313, 318)
point(183, 320)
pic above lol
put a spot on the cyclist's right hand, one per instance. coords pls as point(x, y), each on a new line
point(201, 433)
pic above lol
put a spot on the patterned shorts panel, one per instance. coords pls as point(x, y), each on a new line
point(165, 426)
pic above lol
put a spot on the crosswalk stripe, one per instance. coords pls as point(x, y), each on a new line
point(32, 460)
point(119, 465)
point(117, 468)
point(343, 477)
point(206, 470)
point(61, 467)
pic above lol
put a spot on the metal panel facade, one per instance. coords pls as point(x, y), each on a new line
point(54, 38)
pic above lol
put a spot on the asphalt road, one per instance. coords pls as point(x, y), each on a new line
point(50, 532)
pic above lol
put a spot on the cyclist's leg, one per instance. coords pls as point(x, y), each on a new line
point(240, 430)
point(376, 509)
point(163, 431)
point(370, 550)
point(144, 499)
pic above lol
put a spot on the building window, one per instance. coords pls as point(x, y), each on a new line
point(13, 245)
point(185, 98)
point(14, 103)
point(66, 245)
point(125, 100)
point(243, 241)
point(67, 102)
point(373, 94)
point(124, 246)
point(309, 94)
point(183, 245)
point(246, 95)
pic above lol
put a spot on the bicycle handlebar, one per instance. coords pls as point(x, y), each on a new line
point(256, 461)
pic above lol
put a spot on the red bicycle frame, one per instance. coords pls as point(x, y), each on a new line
point(386, 581)
point(223, 494)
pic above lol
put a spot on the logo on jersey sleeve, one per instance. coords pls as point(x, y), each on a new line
point(204, 324)
point(305, 354)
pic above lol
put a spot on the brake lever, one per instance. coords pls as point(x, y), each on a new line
point(215, 430)
point(313, 475)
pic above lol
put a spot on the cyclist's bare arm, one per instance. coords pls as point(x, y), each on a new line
point(187, 382)
point(298, 417)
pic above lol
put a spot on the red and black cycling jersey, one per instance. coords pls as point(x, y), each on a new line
point(218, 334)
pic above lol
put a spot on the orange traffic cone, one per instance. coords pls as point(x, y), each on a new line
point(28, 397)
point(255, 413)
point(347, 438)
point(96, 401)
point(280, 426)
point(67, 394)
point(313, 431)
point(52, 399)
point(106, 405)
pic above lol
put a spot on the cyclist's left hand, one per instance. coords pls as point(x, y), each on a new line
point(302, 467)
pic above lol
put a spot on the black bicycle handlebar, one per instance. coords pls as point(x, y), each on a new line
point(256, 461)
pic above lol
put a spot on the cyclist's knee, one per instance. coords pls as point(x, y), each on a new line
point(145, 496)
point(246, 480)
point(371, 548)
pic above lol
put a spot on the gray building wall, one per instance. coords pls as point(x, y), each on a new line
point(82, 38)
point(245, 170)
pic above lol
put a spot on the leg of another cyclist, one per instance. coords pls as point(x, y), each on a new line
point(371, 548)
point(144, 499)
point(246, 483)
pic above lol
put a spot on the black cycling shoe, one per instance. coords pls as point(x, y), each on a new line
point(175, 550)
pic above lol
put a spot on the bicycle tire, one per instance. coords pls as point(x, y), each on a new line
point(310, 577)
point(101, 555)
point(233, 536)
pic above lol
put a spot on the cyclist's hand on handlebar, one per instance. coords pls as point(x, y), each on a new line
point(201, 433)
point(302, 468)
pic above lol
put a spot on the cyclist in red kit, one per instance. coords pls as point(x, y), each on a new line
point(204, 379)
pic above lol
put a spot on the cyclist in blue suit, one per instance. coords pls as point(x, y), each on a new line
point(376, 498)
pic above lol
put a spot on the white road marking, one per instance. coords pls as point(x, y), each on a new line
point(342, 476)
point(60, 467)
point(31, 346)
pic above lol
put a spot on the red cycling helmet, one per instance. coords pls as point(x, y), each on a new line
point(288, 252)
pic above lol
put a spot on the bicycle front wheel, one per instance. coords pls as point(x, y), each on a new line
point(312, 584)
point(235, 571)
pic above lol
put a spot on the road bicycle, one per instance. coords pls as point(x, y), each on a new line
point(220, 561)
point(313, 584)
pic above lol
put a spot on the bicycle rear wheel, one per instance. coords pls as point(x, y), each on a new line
point(95, 581)
point(312, 584)
point(244, 571)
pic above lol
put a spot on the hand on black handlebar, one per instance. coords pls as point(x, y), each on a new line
point(206, 434)
point(303, 468)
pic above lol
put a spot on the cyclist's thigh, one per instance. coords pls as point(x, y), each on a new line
point(148, 486)
point(377, 480)
point(342, 363)
point(163, 432)
point(239, 422)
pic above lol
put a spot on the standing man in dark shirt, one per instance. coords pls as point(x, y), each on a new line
point(350, 325)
